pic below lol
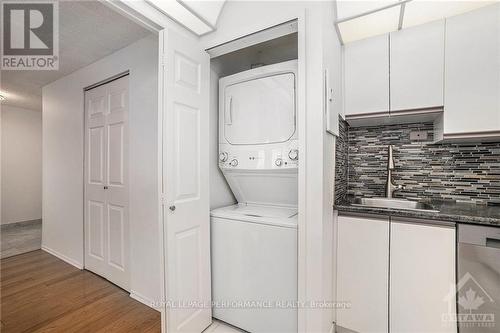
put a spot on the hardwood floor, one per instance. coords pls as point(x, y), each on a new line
point(41, 293)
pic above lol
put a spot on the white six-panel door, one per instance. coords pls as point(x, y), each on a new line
point(185, 184)
point(106, 181)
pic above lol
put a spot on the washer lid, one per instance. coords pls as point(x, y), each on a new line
point(271, 215)
point(269, 187)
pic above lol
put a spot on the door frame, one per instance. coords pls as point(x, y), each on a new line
point(302, 268)
point(144, 14)
point(153, 20)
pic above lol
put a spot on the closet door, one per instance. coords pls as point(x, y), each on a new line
point(106, 182)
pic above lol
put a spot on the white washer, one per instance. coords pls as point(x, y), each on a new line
point(254, 260)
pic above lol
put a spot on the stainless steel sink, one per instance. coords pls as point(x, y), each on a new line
point(394, 204)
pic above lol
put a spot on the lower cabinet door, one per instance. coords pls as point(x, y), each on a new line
point(422, 278)
point(362, 274)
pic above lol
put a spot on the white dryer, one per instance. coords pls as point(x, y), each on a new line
point(254, 243)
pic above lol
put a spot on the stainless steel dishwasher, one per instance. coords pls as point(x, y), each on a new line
point(478, 284)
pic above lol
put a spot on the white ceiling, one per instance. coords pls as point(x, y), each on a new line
point(361, 19)
point(88, 31)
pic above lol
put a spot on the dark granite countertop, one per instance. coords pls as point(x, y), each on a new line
point(448, 211)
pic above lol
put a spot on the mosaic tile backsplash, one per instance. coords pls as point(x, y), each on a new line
point(465, 172)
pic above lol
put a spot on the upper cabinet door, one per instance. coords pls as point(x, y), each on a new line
point(417, 67)
point(367, 76)
point(472, 72)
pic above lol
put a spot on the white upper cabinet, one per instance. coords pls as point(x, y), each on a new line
point(422, 277)
point(363, 273)
point(417, 67)
point(367, 76)
point(472, 72)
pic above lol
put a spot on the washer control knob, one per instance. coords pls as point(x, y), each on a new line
point(278, 162)
point(233, 163)
point(293, 154)
point(223, 157)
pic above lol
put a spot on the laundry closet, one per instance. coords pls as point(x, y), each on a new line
point(255, 159)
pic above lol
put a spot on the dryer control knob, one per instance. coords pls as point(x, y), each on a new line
point(233, 163)
point(223, 157)
point(293, 154)
point(278, 162)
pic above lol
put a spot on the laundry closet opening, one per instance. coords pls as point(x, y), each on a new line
point(254, 180)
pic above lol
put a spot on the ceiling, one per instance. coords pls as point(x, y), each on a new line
point(88, 31)
point(361, 19)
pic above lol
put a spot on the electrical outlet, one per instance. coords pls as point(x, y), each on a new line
point(418, 135)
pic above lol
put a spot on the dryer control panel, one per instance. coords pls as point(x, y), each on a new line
point(259, 157)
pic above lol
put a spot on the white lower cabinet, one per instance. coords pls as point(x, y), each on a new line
point(422, 277)
point(398, 275)
point(362, 273)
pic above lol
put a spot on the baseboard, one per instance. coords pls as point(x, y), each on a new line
point(63, 257)
point(144, 300)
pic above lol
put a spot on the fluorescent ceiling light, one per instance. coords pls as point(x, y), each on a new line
point(362, 19)
point(421, 11)
point(182, 15)
point(208, 10)
point(349, 8)
point(370, 25)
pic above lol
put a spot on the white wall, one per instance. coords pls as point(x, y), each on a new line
point(220, 193)
point(63, 123)
point(21, 158)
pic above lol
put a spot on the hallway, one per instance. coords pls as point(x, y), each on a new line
point(21, 237)
point(39, 292)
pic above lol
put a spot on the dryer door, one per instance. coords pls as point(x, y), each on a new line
point(260, 111)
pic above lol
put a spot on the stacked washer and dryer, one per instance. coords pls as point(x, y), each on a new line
point(254, 243)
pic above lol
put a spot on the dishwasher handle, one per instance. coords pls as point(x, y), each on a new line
point(479, 235)
point(493, 242)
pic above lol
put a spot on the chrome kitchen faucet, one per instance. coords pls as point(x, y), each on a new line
point(390, 186)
